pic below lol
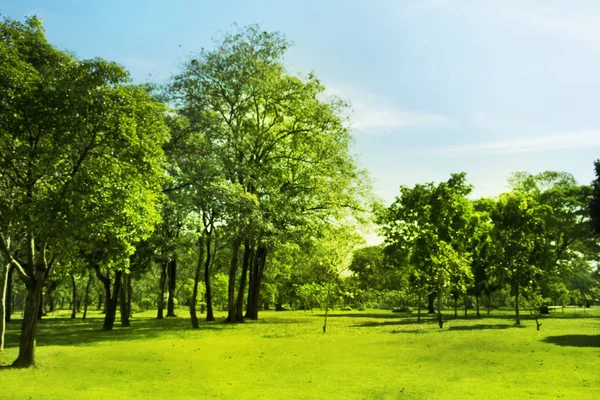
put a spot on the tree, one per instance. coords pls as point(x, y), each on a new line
point(275, 137)
point(594, 204)
point(80, 152)
point(517, 220)
point(426, 230)
point(566, 233)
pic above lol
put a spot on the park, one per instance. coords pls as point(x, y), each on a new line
point(370, 354)
point(216, 234)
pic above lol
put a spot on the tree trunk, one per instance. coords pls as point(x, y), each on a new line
point(41, 312)
point(161, 297)
point(110, 304)
point(209, 305)
point(419, 309)
point(50, 296)
point(455, 306)
point(100, 302)
point(430, 301)
point(8, 305)
point(327, 308)
point(86, 299)
point(3, 300)
point(517, 316)
point(440, 318)
point(123, 300)
point(74, 302)
point(247, 259)
point(193, 315)
point(231, 284)
point(172, 274)
point(477, 305)
point(26, 356)
point(465, 300)
point(258, 268)
point(129, 296)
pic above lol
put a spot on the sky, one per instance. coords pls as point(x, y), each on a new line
point(436, 86)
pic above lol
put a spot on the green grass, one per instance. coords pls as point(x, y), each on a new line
point(364, 355)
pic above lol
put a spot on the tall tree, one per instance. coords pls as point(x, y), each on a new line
point(275, 136)
point(79, 150)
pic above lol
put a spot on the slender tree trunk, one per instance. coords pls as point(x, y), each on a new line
point(247, 259)
point(3, 300)
point(477, 305)
point(258, 268)
point(327, 308)
point(123, 300)
point(172, 274)
point(455, 306)
point(251, 281)
point(193, 315)
point(419, 309)
point(74, 302)
point(440, 318)
point(161, 297)
point(209, 305)
point(517, 316)
point(8, 305)
point(86, 298)
point(231, 306)
point(465, 299)
point(430, 300)
point(100, 302)
point(50, 297)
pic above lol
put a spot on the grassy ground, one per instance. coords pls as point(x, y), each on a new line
point(364, 355)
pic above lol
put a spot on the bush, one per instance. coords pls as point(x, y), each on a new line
point(403, 309)
point(347, 308)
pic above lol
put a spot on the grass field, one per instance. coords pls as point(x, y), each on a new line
point(364, 355)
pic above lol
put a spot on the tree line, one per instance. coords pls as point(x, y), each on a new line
point(539, 241)
point(232, 187)
point(233, 156)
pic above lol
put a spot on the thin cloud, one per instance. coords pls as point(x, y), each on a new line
point(556, 142)
point(574, 21)
point(372, 114)
point(382, 119)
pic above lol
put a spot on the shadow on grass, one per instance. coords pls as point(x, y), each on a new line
point(67, 332)
point(364, 315)
point(428, 328)
point(77, 332)
point(483, 326)
point(405, 321)
point(574, 340)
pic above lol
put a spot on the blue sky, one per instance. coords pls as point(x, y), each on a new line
point(485, 87)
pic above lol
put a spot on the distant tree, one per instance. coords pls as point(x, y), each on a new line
point(426, 228)
point(594, 206)
point(517, 220)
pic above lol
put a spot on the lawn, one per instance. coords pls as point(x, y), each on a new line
point(364, 355)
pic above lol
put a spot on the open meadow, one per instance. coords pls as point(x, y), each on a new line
point(371, 354)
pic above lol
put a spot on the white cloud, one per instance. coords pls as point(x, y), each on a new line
point(373, 114)
point(576, 21)
point(555, 142)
